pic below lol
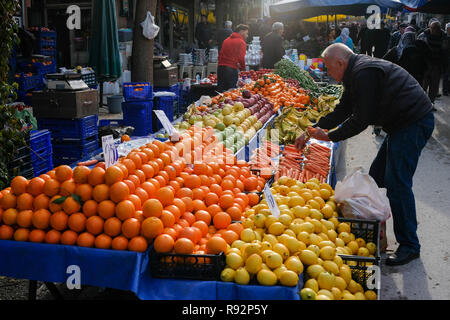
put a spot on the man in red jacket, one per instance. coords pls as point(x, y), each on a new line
point(232, 58)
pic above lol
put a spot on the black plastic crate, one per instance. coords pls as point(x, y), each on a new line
point(186, 266)
point(366, 271)
point(369, 230)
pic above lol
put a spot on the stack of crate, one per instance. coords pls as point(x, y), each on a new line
point(138, 106)
point(41, 151)
point(72, 139)
point(45, 41)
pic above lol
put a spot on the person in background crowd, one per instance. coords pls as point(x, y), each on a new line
point(345, 38)
point(353, 32)
point(332, 35)
point(413, 24)
point(224, 33)
point(365, 39)
point(435, 39)
point(410, 54)
point(272, 46)
point(395, 101)
point(203, 33)
point(259, 28)
point(395, 37)
point(445, 78)
point(232, 58)
point(381, 40)
point(266, 27)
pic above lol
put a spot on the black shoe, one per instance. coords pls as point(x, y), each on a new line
point(401, 257)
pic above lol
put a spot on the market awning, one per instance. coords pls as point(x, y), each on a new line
point(428, 6)
point(323, 18)
point(300, 9)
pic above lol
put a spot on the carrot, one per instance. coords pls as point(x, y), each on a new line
point(87, 163)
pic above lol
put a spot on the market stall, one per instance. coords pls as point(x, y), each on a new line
point(226, 208)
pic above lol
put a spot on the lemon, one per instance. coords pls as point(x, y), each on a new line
point(312, 284)
point(328, 224)
point(353, 245)
point(343, 227)
point(326, 243)
point(308, 257)
point(327, 252)
point(252, 248)
point(291, 182)
point(348, 250)
point(286, 212)
point(332, 235)
point(295, 227)
point(306, 195)
point(317, 225)
point(273, 260)
point(300, 211)
point(338, 260)
point(293, 245)
point(265, 245)
point(370, 295)
point(332, 204)
point(269, 220)
point(371, 247)
point(307, 227)
point(253, 263)
point(312, 185)
point(282, 250)
point(266, 277)
point(352, 237)
point(283, 190)
point(285, 219)
point(326, 280)
point(354, 287)
point(326, 293)
point(320, 261)
point(248, 223)
point(265, 267)
point(363, 252)
point(314, 248)
point(315, 213)
point(348, 296)
point(345, 236)
point(339, 243)
point(325, 193)
point(293, 263)
point(360, 296)
point(279, 270)
point(314, 270)
point(361, 242)
point(315, 239)
point(241, 276)
point(304, 237)
point(327, 211)
point(322, 297)
point(227, 275)
point(276, 228)
point(288, 278)
point(248, 235)
point(296, 188)
point(259, 220)
point(296, 201)
point(307, 294)
point(340, 283)
point(331, 266)
point(314, 204)
point(283, 207)
point(335, 221)
point(282, 180)
point(249, 212)
point(236, 250)
point(270, 238)
point(234, 260)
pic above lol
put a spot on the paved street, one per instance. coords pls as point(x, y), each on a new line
point(427, 277)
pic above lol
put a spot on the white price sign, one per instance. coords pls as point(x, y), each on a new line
point(110, 152)
point(168, 126)
point(271, 201)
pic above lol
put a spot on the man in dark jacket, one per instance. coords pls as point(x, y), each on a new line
point(378, 92)
point(232, 59)
point(395, 37)
point(435, 38)
point(224, 33)
point(272, 46)
point(446, 76)
point(381, 41)
point(365, 39)
point(203, 33)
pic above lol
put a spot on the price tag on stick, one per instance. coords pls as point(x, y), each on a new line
point(110, 152)
point(271, 201)
point(168, 126)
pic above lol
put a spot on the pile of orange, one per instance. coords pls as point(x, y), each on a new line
point(151, 195)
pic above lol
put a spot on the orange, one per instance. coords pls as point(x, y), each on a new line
point(155, 183)
point(70, 205)
point(106, 209)
point(253, 199)
point(77, 222)
point(211, 198)
point(165, 157)
point(135, 179)
point(160, 145)
point(148, 171)
point(143, 156)
point(155, 167)
point(41, 219)
point(21, 234)
point(198, 205)
point(136, 159)
point(36, 235)
point(148, 152)
point(227, 184)
point(84, 191)
point(203, 215)
point(141, 175)
point(141, 193)
point(51, 187)
point(96, 176)
point(113, 174)
point(149, 188)
point(131, 228)
point(103, 241)
point(10, 216)
point(119, 191)
point(81, 174)
point(6, 232)
point(59, 220)
point(163, 243)
point(130, 184)
point(235, 213)
point(167, 218)
point(236, 227)
point(221, 220)
point(198, 193)
point(125, 210)
point(24, 218)
point(179, 203)
point(63, 173)
point(202, 226)
point(52, 237)
point(215, 188)
point(138, 244)
point(131, 166)
point(174, 210)
point(51, 173)
point(86, 239)
point(24, 201)
point(112, 226)
point(160, 163)
point(136, 201)
point(161, 180)
point(213, 209)
point(139, 215)
point(189, 203)
point(90, 208)
point(184, 246)
point(230, 236)
point(19, 185)
point(154, 148)
point(192, 181)
point(171, 232)
point(54, 207)
point(165, 195)
point(197, 234)
point(188, 233)
point(69, 237)
point(152, 208)
point(152, 227)
point(184, 192)
point(171, 171)
point(240, 203)
point(41, 202)
point(189, 217)
point(67, 188)
point(200, 168)
point(100, 192)
point(240, 185)
point(123, 168)
point(94, 225)
point(226, 201)
point(216, 245)
point(250, 184)
point(35, 186)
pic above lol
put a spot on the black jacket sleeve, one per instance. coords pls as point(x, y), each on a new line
point(391, 55)
point(366, 90)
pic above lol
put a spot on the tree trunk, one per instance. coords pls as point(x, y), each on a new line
point(142, 54)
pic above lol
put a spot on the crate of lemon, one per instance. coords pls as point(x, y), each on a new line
point(308, 238)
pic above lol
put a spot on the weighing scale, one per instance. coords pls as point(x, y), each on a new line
point(65, 82)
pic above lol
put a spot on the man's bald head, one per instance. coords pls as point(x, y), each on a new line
point(336, 58)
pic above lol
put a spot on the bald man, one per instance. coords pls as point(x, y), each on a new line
point(378, 92)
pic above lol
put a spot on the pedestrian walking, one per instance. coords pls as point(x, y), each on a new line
point(203, 33)
point(345, 38)
point(381, 39)
point(365, 39)
point(395, 37)
point(272, 46)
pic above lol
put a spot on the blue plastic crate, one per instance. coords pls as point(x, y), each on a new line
point(43, 165)
point(110, 122)
point(139, 116)
point(48, 52)
point(75, 148)
point(40, 140)
point(167, 104)
point(70, 128)
point(137, 91)
point(24, 97)
point(27, 83)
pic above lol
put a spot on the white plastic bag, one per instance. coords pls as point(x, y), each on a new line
point(149, 28)
point(361, 198)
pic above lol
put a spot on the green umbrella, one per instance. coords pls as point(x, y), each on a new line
point(104, 55)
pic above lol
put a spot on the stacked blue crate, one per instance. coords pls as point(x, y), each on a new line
point(41, 151)
point(46, 43)
point(166, 104)
point(72, 139)
point(138, 106)
point(174, 89)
